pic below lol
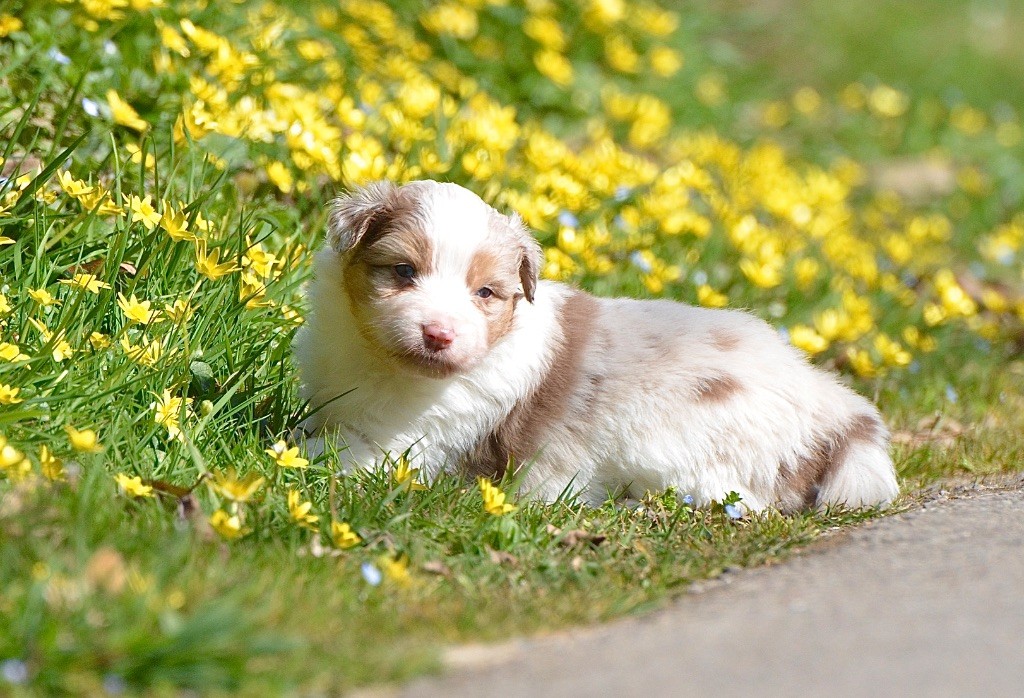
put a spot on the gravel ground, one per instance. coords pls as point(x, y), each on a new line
point(928, 602)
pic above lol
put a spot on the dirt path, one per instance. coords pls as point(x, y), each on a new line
point(929, 602)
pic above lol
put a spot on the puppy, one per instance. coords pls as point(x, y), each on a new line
point(429, 330)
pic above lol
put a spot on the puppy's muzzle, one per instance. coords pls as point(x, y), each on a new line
point(437, 337)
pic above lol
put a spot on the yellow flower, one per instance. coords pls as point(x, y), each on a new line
point(13, 462)
point(299, 510)
point(396, 569)
point(42, 297)
point(86, 282)
point(51, 466)
point(100, 201)
point(98, 340)
point(280, 177)
point(229, 486)
point(5, 305)
point(146, 354)
point(711, 298)
point(804, 337)
point(229, 526)
point(258, 260)
point(407, 477)
point(175, 223)
point(136, 155)
point(124, 113)
point(74, 188)
point(286, 457)
point(60, 348)
point(177, 312)
point(494, 498)
point(136, 310)
point(143, 211)
point(132, 486)
point(343, 536)
point(9, 395)
point(9, 24)
point(84, 441)
point(209, 265)
point(166, 410)
point(11, 352)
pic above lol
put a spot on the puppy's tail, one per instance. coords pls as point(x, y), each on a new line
point(862, 472)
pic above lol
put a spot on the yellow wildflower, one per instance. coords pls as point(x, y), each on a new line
point(711, 298)
point(86, 282)
point(494, 498)
point(175, 223)
point(135, 155)
point(227, 525)
point(343, 536)
point(209, 265)
point(83, 441)
point(13, 462)
point(74, 188)
point(59, 347)
point(42, 297)
point(100, 201)
point(143, 211)
point(132, 486)
point(229, 486)
point(9, 24)
point(167, 411)
point(147, 353)
point(286, 457)
point(98, 340)
point(804, 337)
point(124, 113)
point(136, 310)
point(179, 311)
point(396, 569)
point(11, 352)
point(51, 466)
point(9, 395)
point(299, 510)
point(407, 477)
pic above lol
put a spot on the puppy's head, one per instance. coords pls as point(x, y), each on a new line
point(431, 273)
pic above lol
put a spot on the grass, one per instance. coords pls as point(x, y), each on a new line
point(244, 122)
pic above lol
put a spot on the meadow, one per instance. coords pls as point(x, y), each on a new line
point(166, 170)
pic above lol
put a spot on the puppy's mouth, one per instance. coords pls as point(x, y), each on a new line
point(433, 364)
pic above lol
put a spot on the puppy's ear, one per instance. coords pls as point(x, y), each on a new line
point(361, 210)
point(532, 256)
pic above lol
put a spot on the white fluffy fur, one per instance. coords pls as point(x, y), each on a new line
point(644, 428)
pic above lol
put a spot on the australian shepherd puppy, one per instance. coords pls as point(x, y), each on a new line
point(429, 330)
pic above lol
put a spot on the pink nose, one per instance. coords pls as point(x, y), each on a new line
point(437, 337)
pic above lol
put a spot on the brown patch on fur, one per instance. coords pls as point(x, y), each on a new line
point(392, 236)
point(723, 340)
point(492, 267)
point(717, 388)
point(827, 453)
point(518, 436)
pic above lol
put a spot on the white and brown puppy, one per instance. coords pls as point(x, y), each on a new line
point(429, 330)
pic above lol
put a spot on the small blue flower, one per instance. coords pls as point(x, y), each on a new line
point(90, 107)
point(700, 277)
point(951, 394)
point(14, 671)
point(733, 511)
point(110, 48)
point(57, 57)
point(567, 219)
point(784, 333)
point(638, 261)
point(371, 574)
point(688, 500)
point(622, 192)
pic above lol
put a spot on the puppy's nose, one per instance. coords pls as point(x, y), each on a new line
point(437, 337)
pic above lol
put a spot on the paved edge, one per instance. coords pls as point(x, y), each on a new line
point(507, 668)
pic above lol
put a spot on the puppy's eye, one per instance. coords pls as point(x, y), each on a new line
point(485, 292)
point(405, 271)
